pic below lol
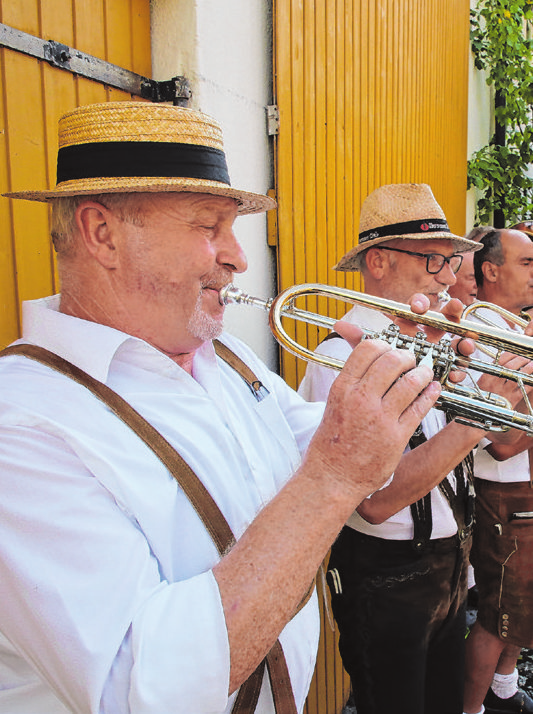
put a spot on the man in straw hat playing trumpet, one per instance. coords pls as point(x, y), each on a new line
point(166, 500)
point(398, 570)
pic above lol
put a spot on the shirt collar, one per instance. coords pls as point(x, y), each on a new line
point(368, 317)
point(92, 346)
point(86, 344)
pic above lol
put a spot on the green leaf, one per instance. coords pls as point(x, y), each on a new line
point(502, 48)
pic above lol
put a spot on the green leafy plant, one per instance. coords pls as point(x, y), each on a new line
point(501, 43)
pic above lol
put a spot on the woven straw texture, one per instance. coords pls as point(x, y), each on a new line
point(143, 122)
point(135, 121)
point(400, 203)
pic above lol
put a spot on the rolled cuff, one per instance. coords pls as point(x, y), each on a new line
point(181, 658)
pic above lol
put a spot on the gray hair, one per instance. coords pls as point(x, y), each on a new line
point(64, 231)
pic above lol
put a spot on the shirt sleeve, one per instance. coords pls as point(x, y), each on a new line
point(96, 621)
point(317, 380)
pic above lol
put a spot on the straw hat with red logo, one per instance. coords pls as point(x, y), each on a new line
point(401, 210)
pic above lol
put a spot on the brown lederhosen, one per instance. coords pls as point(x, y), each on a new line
point(502, 556)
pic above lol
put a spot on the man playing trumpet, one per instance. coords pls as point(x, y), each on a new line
point(120, 594)
point(398, 570)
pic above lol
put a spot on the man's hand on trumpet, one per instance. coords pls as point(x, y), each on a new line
point(420, 304)
point(369, 384)
point(509, 389)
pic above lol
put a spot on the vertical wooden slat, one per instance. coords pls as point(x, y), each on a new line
point(119, 49)
point(27, 167)
point(347, 235)
point(33, 97)
point(322, 243)
point(9, 314)
point(306, 251)
point(140, 38)
point(59, 90)
point(369, 92)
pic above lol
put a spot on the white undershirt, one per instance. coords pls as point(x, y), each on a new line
point(516, 468)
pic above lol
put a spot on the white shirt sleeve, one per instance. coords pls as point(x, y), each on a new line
point(317, 380)
point(117, 626)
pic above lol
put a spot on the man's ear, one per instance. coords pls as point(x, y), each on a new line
point(376, 262)
point(490, 271)
point(96, 227)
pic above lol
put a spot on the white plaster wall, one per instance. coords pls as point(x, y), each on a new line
point(480, 123)
point(224, 48)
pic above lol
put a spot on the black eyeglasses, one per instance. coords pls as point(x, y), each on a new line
point(435, 262)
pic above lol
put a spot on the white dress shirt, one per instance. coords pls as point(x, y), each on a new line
point(108, 601)
point(515, 468)
point(316, 385)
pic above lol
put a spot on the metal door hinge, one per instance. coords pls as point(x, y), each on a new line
point(176, 90)
point(272, 119)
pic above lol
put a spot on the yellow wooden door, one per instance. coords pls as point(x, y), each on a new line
point(369, 92)
point(34, 95)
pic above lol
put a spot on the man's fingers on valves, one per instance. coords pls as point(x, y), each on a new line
point(377, 368)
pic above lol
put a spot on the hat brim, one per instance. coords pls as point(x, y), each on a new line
point(248, 202)
point(352, 260)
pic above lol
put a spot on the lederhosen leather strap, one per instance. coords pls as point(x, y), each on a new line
point(421, 512)
point(200, 498)
point(461, 503)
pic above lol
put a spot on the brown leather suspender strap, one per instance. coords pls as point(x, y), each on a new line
point(200, 498)
point(240, 367)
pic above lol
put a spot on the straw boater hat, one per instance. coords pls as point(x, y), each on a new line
point(125, 147)
point(402, 210)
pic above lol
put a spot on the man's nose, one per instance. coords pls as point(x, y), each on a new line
point(231, 254)
point(446, 276)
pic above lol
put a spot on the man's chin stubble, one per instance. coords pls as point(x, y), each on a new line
point(202, 325)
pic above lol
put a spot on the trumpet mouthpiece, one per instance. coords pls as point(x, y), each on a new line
point(230, 294)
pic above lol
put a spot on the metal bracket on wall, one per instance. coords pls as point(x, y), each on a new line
point(272, 119)
point(176, 90)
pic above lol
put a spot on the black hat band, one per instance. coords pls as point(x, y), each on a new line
point(427, 225)
point(141, 159)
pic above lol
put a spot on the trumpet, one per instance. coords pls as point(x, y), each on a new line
point(467, 405)
point(482, 311)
